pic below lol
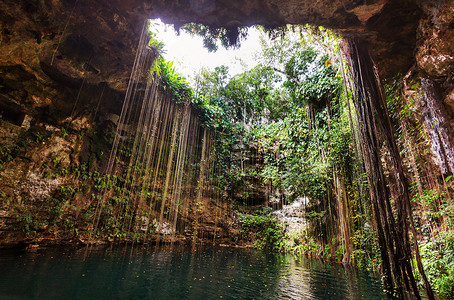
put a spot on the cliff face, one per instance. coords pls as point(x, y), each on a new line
point(435, 50)
point(54, 53)
point(64, 67)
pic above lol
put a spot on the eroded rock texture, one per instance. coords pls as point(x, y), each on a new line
point(54, 53)
point(435, 49)
point(51, 48)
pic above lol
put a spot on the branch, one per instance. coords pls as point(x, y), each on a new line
point(288, 75)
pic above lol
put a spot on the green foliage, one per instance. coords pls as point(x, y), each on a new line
point(211, 84)
point(173, 83)
point(311, 79)
point(28, 222)
point(267, 231)
point(438, 260)
point(211, 112)
point(437, 205)
point(366, 252)
point(299, 126)
point(302, 169)
point(250, 95)
point(227, 37)
point(154, 43)
point(431, 198)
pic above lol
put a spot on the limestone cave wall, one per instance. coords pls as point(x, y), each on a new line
point(434, 52)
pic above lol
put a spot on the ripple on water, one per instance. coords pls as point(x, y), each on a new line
point(126, 273)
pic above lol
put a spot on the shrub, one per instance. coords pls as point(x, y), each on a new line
point(268, 232)
point(438, 256)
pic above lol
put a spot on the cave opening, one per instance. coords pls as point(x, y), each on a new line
point(333, 144)
point(322, 109)
point(237, 111)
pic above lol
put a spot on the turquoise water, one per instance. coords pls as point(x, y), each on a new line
point(215, 273)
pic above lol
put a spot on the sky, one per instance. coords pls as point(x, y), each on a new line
point(189, 55)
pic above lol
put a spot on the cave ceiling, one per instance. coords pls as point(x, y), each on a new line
point(388, 25)
point(70, 41)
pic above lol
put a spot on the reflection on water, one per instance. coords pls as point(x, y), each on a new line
point(219, 273)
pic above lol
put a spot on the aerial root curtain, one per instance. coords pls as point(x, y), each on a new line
point(160, 160)
point(392, 223)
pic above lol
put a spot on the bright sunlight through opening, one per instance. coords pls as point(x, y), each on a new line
point(189, 55)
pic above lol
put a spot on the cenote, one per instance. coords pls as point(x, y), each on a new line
point(299, 129)
point(211, 273)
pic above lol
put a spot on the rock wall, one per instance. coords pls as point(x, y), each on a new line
point(56, 53)
point(64, 68)
point(435, 49)
point(434, 71)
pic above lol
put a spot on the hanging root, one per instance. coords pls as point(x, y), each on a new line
point(392, 225)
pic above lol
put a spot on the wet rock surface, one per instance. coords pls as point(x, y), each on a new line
point(292, 215)
point(435, 49)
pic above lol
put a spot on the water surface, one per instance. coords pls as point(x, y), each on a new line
point(215, 273)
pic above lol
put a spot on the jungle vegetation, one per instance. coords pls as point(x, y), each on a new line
point(295, 110)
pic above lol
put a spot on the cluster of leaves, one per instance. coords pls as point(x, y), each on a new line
point(173, 83)
point(311, 79)
point(180, 91)
point(227, 37)
point(438, 252)
point(366, 252)
point(266, 230)
point(438, 258)
point(245, 98)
